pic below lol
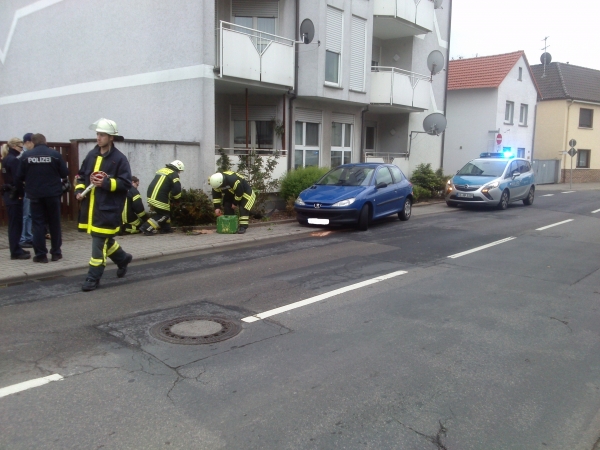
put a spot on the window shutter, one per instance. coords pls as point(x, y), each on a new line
point(358, 53)
point(308, 115)
point(255, 112)
point(255, 8)
point(342, 118)
point(334, 30)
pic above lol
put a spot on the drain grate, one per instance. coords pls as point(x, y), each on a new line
point(190, 330)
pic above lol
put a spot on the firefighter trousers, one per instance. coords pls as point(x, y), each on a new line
point(103, 247)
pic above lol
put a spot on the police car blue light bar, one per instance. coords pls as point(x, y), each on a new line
point(506, 155)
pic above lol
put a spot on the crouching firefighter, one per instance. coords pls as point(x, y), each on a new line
point(231, 189)
point(164, 188)
point(134, 213)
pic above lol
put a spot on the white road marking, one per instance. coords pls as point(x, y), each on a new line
point(320, 297)
point(553, 225)
point(29, 384)
point(567, 192)
point(473, 250)
point(547, 195)
point(594, 212)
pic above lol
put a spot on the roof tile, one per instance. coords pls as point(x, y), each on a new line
point(481, 72)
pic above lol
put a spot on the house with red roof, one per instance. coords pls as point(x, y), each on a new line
point(490, 108)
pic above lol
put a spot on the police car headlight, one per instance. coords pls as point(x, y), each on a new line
point(488, 187)
point(343, 203)
point(300, 202)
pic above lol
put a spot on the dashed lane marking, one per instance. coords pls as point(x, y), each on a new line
point(594, 212)
point(29, 384)
point(547, 195)
point(554, 225)
point(567, 192)
point(473, 250)
point(320, 297)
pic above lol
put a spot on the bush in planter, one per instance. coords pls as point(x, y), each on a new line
point(258, 170)
point(295, 181)
point(193, 208)
point(420, 194)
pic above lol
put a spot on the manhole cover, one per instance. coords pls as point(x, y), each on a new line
point(195, 330)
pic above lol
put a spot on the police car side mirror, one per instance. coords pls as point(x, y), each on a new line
point(515, 174)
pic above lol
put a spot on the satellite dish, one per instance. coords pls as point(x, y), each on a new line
point(307, 31)
point(434, 124)
point(437, 4)
point(546, 58)
point(435, 62)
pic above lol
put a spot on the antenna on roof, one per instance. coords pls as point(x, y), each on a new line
point(546, 57)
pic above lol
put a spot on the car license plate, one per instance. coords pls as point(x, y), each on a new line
point(461, 195)
point(318, 221)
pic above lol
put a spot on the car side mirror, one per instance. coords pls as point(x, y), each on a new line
point(380, 185)
point(515, 174)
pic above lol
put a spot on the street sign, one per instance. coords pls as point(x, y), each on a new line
point(572, 151)
point(498, 139)
point(572, 143)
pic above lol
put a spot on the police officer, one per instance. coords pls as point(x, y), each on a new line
point(13, 197)
point(43, 169)
point(106, 172)
point(134, 213)
point(164, 187)
point(229, 189)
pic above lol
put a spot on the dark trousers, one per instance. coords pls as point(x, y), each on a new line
point(244, 217)
point(46, 211)
point(103, 247)
point(159, 221)
point(14, 211)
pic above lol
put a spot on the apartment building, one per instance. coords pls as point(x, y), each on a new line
point(184, 79)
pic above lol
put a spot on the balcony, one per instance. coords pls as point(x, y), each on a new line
point(397, 90)
point(400, 18)
point(253, 55)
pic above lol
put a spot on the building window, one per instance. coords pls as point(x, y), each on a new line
point(341, 144)
point(260, 134)
point(586, 118)
point(307, 150)
point(333, 48)
point(509, 112)
point(523, 115)
point(583, 159)
point(520, 153)
point(520, 74)
point(370, 138)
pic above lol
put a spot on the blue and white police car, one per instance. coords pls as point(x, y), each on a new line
point(493, 179)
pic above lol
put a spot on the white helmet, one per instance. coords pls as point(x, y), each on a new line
point(178, 165)
point(105, 126)
point(216, 180)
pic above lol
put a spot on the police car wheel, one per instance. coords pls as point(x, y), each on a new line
point(503, 203)
point(529, 199)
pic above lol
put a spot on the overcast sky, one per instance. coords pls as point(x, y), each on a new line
point(484, 27)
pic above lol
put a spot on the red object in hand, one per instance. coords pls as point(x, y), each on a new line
point(97, 176)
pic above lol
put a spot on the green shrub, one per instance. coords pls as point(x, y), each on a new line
point(295, 181)
point(193, 208)
point(420, 194)
point(424, 177)
point(224, 162)
point(258, 170)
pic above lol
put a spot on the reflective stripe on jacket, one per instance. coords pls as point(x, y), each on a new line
point(134, 212)
point(236, 186)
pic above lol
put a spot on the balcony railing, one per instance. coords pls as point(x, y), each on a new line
point(241, 151)
point(255, 55)
point(399, 18)
point(400, 88)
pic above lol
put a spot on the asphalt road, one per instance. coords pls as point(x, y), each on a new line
point(496, 348)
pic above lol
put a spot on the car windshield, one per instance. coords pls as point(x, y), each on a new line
point(348, 176)
point(483, 168)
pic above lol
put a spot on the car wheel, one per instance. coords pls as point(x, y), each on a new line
point(451, 204)
point(363, 219)
point(529, 200)
point(503, 203)
point(303, 223)
point(406, 212)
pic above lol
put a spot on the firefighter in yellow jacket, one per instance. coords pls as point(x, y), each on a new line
point(231, 189)
point(134, 213)
point(164, 188)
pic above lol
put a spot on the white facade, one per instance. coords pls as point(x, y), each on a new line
point(476, 116)
point(226, 74)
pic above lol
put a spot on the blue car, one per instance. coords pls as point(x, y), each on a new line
point(356, 194)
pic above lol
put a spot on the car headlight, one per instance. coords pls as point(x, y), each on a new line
point(449, 186)
point(492, 185)
point(346, 202)
point(300, 202)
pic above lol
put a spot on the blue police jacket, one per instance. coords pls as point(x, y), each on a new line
point(10, 167)
point(42, 169)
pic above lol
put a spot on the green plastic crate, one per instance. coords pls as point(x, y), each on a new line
point(227, 224)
